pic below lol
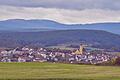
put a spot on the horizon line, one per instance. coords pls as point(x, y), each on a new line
point(109, 22)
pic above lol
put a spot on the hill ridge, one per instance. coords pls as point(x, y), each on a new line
point(27, 25)
point(98, 38)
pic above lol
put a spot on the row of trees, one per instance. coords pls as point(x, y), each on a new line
point(113, 62)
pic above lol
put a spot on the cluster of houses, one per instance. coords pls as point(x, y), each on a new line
point(26, 54)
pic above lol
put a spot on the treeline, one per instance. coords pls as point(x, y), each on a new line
point(113, 62)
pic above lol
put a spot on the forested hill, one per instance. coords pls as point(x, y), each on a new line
point(47, 38)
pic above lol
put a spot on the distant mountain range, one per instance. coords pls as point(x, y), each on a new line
point(43, 25)
point(97, 38)
point(20, 32)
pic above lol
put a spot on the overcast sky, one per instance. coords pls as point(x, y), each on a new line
point(64, 11)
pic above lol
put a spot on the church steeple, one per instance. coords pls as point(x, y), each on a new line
point(80, 50)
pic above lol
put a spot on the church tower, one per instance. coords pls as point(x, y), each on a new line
point(80, 50)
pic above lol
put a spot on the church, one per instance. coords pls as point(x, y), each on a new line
point(81, 50)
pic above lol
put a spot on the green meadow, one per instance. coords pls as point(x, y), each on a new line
point(57, 71)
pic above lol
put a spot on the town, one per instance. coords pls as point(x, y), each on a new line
point(79, 56)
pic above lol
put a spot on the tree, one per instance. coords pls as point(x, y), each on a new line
point(117, 62)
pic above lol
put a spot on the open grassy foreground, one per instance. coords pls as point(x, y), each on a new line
point(55, 71)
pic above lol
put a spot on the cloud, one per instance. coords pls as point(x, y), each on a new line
point(60, 15)
point(64, 11)
point(65, 4)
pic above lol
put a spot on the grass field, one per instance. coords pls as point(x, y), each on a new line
point(56, 71)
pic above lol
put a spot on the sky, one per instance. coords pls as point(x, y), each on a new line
point(63, 11)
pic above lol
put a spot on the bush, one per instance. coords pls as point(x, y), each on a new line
point(117, 62)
